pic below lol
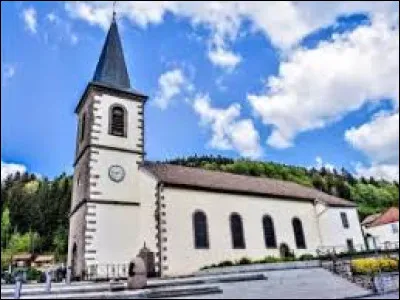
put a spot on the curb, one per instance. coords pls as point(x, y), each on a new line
point(154, 285)
point(207, 290)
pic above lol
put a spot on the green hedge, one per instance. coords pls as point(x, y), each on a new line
point(265, 260)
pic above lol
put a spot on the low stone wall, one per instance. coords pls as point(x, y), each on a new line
point(386, 282)
point(381, 283)
point(262, 267)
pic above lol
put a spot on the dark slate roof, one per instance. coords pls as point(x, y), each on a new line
point(111, 68)
point(196, 178)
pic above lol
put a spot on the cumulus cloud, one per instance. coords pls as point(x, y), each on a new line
point(10, 168)
point(379, 141)
point(325, 83)
point(229, 132)
point(61, 30)
point(284, 23)
point(381, 171)
point(171, 84)
point(30, 18)
point(319, 163)
point(224, 58)
point(8, 72)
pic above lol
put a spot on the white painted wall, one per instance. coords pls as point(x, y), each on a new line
point(120, 230)
point(103, 187)
point(333, 233)
point(384, 233)
point(148, 230)
point(102, 103)
point(183, 258)
point(116, 239)
point(108, 233)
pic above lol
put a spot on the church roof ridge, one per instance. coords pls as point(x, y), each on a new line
point(192, 177)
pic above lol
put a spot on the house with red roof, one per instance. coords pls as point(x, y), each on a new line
point(382, 230)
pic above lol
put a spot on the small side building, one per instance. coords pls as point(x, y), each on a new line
point(43, 262)
point(382, 230)
point(22, 260)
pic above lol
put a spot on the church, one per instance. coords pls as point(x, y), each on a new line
point(185, 218)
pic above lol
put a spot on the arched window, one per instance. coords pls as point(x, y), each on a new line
point(200, 230)
point(298, 233)
point(117, 120)
point(269, 232)
point(83, 127)
point(237, 232)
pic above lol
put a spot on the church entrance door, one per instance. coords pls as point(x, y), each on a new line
point(74, 261)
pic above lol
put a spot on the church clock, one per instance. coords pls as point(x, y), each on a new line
point(116, 173)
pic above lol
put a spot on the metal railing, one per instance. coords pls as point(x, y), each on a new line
point(106, 272)
point(342, 249)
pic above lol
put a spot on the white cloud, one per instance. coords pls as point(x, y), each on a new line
point(285, 23)
point(171, 84)
point(320, 163)
point(8, 72)
point(223, 58)
point(30, 18)
point(379, 140)
point(10, 168)
point(389, 172)
point(228, 131)
point(52, 17)
point(318, 86)
point(61, 30)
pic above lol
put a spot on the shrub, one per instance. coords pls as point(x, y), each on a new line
point(244, 261)
point(226, 263)
point(374, 265)
point(306, 256)
point(289, 258)
point(33, 274)
point(269, 259)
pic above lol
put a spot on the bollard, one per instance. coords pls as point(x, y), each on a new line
point(137, 274)
point(48, 281)
point(18, 287)
point(68, 278)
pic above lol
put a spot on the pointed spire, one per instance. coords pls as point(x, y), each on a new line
point(111, 68)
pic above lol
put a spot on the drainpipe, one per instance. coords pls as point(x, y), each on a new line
point(158, 220)
point(317, 215)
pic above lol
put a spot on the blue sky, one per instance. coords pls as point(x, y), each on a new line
point(316, 84)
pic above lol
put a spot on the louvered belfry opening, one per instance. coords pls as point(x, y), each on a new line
point(117, 121)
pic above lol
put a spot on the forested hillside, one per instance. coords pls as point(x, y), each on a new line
point(35, 215)
point(35, 211)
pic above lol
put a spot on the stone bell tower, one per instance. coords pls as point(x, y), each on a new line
point(105, 203)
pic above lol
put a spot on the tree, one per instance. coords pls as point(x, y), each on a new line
point(319, 182)
point(373, 181)
point(24, 242)
point(60, 241)
point(343, 189)
point(5, 227)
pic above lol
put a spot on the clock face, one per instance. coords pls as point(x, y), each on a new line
point(116, 173)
